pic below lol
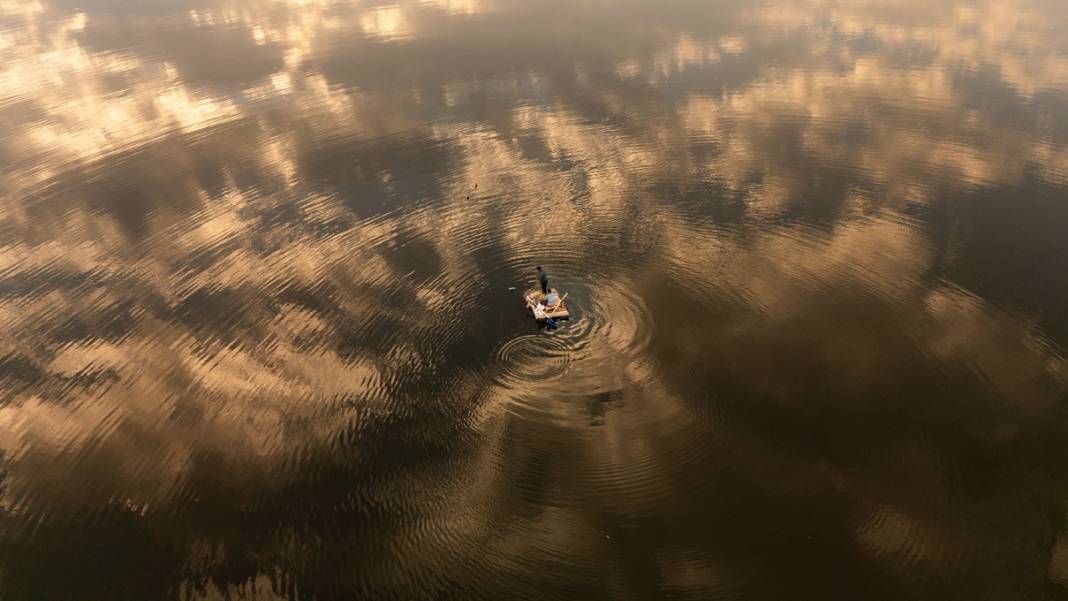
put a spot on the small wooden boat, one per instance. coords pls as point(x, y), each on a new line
point(536, 305)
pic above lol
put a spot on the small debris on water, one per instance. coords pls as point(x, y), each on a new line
point(511, 289)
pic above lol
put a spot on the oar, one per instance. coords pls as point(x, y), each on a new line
point(550, 321)
point(558, 305)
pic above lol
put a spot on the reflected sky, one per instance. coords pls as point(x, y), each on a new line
point(257, 336)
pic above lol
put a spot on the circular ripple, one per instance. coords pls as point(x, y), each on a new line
point(622, 321)
point(533, 358)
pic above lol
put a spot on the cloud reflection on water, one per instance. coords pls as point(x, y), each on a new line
point(236, 243)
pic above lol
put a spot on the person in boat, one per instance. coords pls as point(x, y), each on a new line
point(543, 278)
point(552, 299)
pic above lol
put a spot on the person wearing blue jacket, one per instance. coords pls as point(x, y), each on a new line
point(544, 279)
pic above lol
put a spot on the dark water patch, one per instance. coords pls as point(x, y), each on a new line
point(1000, 266)
point(237, 59)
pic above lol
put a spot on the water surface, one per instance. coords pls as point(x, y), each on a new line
point(257, 339)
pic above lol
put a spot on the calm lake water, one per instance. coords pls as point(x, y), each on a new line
point(258, 338)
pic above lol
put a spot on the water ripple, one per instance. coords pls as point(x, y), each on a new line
point(257, 337)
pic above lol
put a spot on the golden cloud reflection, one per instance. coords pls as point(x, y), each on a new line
point(461, 7)
point(229, 279)
point(85, 119)
point(387, 22)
